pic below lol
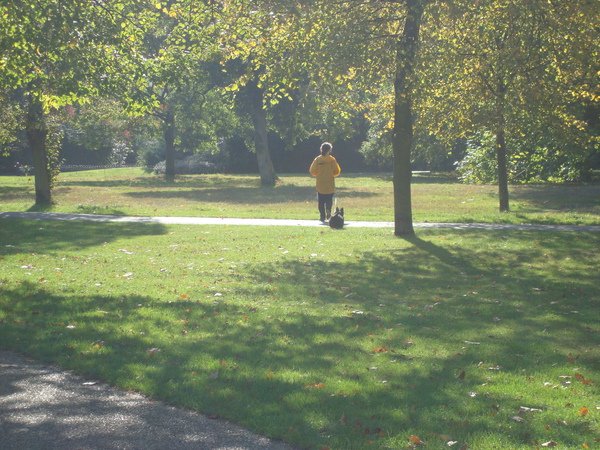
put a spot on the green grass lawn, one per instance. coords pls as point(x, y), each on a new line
point(365, 197)
point(347, 339)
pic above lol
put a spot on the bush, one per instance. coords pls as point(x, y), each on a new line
point(526, 161)
point(151, 153)
point(479, 163)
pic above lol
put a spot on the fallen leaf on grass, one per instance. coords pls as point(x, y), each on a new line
point(416, 440)
point(518, 419)
point(153, 351)
point(184, 296)
point(380, 350)
point(583, 411)
point(583, 379)
point(128, 275)
point(549, 444)
point(316, 386)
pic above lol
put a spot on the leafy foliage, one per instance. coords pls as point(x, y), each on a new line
point(524, 61)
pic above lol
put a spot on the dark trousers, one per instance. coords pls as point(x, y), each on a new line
point(325, 203)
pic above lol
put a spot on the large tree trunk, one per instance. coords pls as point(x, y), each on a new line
point(501, 150)
point(37, 133)
point(169, 135)
point(403, 119)
point(261, 143)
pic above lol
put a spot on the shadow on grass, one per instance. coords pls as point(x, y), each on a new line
point(246, 195)
point(32, 236)
point(10, 193)
point(583, 198)
point(182, 181)
point(419, 178)
point(41, 208)
point(386, 368)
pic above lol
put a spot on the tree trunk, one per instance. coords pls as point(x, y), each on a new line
point(37, 133)
point(501, 150)
point(169, 135)
point(403, 119)
point(261, 143)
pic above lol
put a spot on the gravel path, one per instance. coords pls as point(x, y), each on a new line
point(43, 407)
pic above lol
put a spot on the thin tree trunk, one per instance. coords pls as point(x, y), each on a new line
point(403, 119)
point(169, 135)
point(37, 133)
point(501, 151)
point(261, 143)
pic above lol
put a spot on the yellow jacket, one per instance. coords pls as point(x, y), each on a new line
point(325, 168)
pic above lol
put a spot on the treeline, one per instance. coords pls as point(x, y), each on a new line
point(102, 135)
point(501, 90)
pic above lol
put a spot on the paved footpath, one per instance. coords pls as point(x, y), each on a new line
point(288, 222)
point(43, 407)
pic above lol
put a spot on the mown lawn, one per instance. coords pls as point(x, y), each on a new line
point(436, 198)
point(347, 339)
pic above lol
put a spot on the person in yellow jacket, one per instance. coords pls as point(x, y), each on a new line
point(325, 168)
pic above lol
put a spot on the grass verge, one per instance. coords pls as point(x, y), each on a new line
point(341, 340)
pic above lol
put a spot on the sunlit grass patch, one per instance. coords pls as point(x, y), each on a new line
point(436, 198)
point(348, 339)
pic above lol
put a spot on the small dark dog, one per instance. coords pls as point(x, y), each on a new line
point(337, 219)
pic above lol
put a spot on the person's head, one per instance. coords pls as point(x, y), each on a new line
point(326, 148)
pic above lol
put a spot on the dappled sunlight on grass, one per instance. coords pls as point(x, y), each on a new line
point(324, 339)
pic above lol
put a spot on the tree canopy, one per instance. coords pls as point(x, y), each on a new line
point(513, 84)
